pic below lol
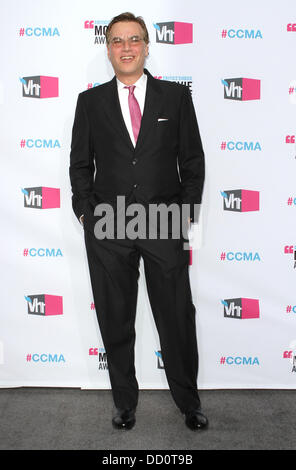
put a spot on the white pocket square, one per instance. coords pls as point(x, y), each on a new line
point(162, 119)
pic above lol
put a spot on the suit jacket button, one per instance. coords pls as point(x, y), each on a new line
point(134, 161)
point(136, 186)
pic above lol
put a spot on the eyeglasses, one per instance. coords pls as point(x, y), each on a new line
point(132, 41)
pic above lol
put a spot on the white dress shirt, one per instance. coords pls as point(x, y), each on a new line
point(140, 93)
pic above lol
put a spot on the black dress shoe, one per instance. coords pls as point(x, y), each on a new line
point(124, 419)
point(195, 420)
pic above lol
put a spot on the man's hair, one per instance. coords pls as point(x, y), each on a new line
point(127, 17)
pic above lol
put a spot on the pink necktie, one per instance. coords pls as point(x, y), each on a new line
point(135, 111)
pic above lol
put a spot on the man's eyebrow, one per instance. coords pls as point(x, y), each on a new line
point(132, 36)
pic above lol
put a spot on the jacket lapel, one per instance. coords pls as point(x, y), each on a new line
point(151, 109)
point(113, 109)
point(150, 112)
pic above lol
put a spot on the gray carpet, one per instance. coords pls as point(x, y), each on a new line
point(74, 419)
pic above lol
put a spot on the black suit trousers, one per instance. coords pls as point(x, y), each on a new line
point(114, 273)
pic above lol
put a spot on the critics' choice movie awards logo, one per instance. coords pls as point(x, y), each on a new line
point(241, 89)
point(31, 31)
point(44, 304)
point(182, 79)
point(240, 146)
point(291, 250)
point(291, 201)
point(40, 144)
point(45, 358)
point(98, 28)
point(241, 33)
point(240, 200)
point(292, 92)
point(92, 85)
point(40, 86)
point(42, 252)
point(290, 309)
point(290, 139)
point(174, 32)
point(239, 361)
point(291, 27)
point(41, 197)
point(101, 354)
point(239, 256)
point(291, 355)
point(241, 308)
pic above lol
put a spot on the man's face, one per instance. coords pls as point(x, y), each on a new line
point(126, 49)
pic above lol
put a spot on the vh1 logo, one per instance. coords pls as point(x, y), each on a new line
point(240, 200)
point(241, 89)
point(174, 32)
point(241, 308)
point(41, 197)
point(45, 304)
point(40, 87)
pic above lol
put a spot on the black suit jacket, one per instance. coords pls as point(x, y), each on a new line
point(167, 164)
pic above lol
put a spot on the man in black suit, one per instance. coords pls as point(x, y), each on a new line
point(138, 138)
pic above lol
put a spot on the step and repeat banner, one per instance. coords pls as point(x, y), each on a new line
point(238, 62)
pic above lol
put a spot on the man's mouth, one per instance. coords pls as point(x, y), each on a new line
point(127, 58)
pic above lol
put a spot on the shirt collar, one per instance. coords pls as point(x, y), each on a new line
point(140, 83)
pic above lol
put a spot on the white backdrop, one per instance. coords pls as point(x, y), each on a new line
point(249, 145)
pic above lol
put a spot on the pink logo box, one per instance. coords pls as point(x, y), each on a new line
point(251, 89)
point(50, 198)
point(183, 33)
point(53, 304)
point(49, 87)
point(250, 308)
point(250, 200)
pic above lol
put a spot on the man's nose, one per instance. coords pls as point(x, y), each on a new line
point(126, 45)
